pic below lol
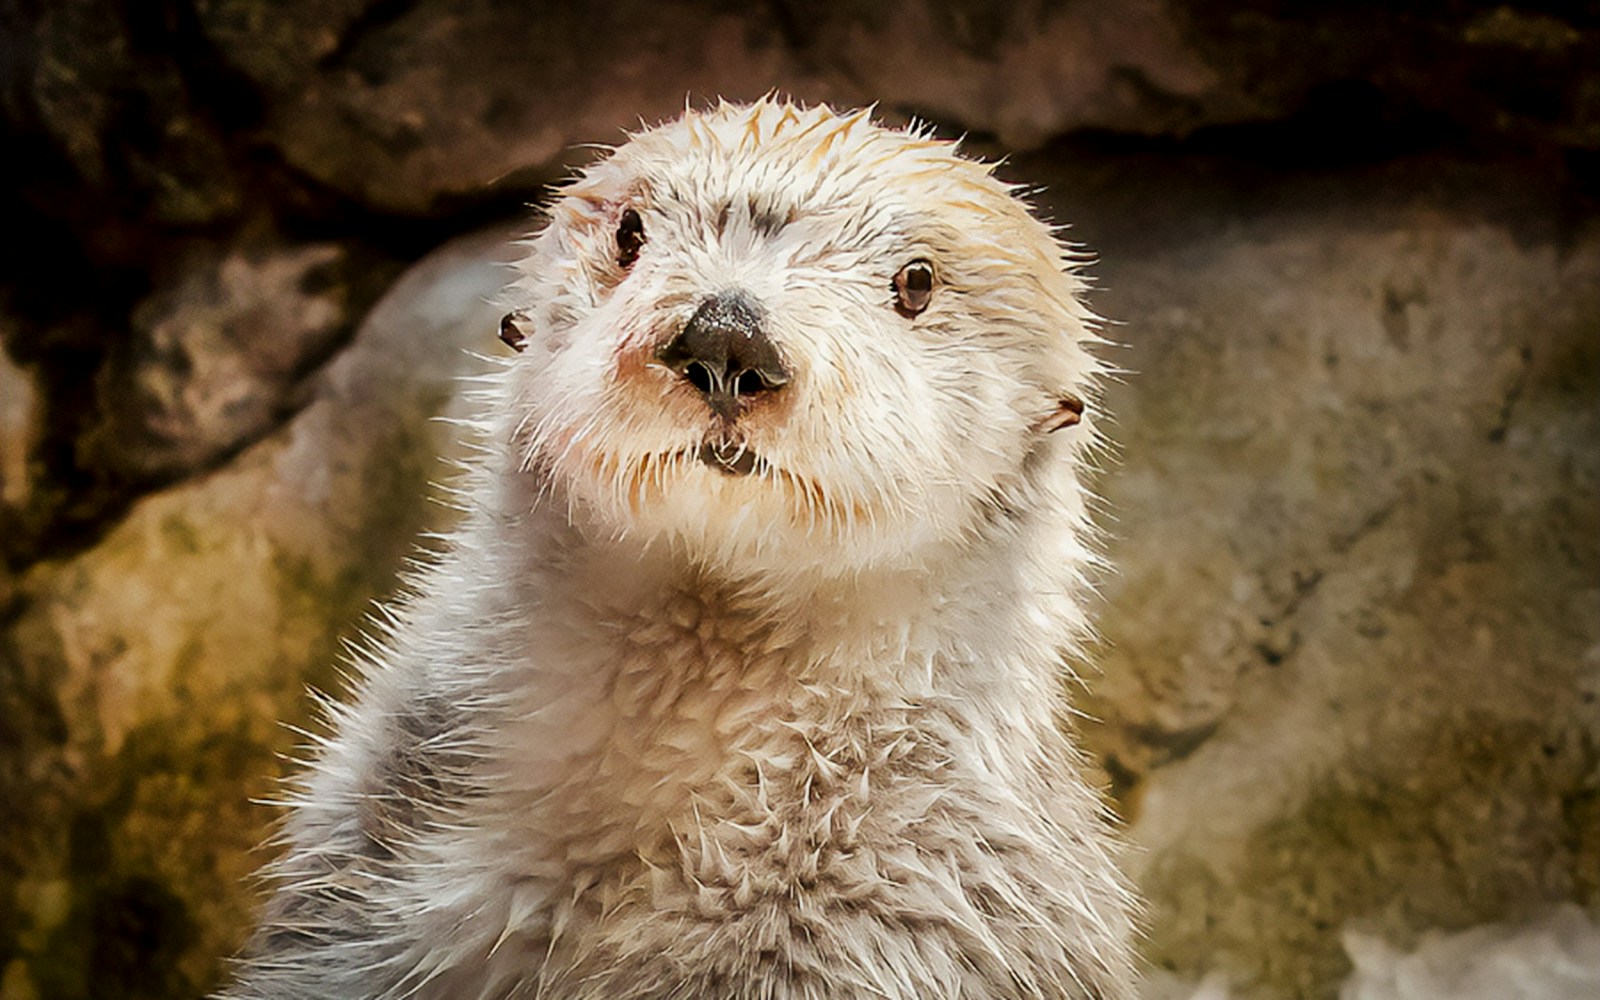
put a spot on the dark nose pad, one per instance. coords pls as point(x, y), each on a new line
point(725, 353)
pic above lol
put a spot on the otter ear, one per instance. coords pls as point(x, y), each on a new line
point(514, 328)
point(1067, 412)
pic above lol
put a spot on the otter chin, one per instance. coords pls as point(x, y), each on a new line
point(744, 673)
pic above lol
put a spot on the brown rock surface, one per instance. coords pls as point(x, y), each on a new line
point(106, 82)
point(144, 681)
point(220, 353)
point(18, 415)
point(1353, 661)
point(402, 106)
point(415, 105)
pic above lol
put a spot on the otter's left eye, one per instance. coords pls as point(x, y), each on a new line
point(630, 237)
point(913, 287)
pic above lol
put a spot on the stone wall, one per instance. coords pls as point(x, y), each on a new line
point(1351, 676)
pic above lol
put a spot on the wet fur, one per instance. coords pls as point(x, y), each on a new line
point(649, 730)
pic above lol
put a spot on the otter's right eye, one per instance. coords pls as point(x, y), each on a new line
point(630, 238)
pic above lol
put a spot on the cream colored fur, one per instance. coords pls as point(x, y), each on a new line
point(649, 730)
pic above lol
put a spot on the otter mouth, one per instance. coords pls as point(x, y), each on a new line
point(731, 458)
point(651, 475)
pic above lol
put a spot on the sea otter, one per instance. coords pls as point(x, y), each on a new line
point(743, 675)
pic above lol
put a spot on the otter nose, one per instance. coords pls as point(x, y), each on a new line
point(724, 352)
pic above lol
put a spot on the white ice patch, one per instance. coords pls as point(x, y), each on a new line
point(1554, 958)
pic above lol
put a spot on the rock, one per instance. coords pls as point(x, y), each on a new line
point(279, 45)
point(1351, 668)
point(18, 414)
point(413, 107)
point(110, 85)
point(443, 100)
point(220, 353)
point(215, 357)
point(1025, 72)
point(1511, 75)
point(408, 107)
point(1555, 957)
point(145, 681)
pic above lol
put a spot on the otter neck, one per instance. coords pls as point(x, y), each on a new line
point(962, 623)
point(641, 693)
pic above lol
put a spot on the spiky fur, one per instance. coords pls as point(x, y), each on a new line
point(648, 730)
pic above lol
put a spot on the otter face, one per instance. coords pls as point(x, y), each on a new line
point(787, 340)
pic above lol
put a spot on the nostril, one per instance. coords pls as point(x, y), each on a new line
point(749, 383)
point(698, 375)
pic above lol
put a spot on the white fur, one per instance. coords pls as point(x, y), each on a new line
point(651, 730)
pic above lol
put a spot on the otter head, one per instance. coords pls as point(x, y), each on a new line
point(787, 340)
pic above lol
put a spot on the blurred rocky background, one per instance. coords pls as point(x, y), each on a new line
point(1351, 678)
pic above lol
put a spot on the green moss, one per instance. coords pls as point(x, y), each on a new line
point(125, 938)
point(180, 534)
point(150, 847)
